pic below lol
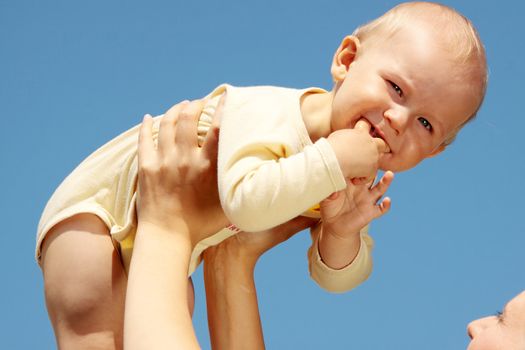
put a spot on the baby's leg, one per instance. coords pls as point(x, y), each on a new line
point(85, 284)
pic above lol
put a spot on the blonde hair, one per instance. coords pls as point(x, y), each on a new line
point(461, 39)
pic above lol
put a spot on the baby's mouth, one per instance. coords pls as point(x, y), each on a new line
point(376, 133)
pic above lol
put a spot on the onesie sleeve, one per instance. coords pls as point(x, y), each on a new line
point(347, 278)
point(266, 177)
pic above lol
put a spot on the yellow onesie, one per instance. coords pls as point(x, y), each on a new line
point(269, 172)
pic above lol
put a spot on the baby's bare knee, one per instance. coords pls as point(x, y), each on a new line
point(86, 316)
point(76, 301)
point(84, 281)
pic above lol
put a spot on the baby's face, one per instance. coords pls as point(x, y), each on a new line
point(409, 91)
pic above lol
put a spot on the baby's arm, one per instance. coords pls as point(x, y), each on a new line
point(340, 255)
point(265, 175)
point(345, 214)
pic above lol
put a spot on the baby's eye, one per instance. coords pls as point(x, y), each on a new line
point(425, 123)
point(396, 88)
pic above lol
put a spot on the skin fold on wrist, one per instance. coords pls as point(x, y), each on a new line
point(338, 252)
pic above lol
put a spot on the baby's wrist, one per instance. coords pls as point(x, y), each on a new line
point(346, 234)
point(348, 226)
point(338, 251)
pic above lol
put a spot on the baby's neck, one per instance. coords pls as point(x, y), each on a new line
point(316, 109)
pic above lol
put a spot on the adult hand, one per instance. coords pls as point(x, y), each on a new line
point(250, 246)
point(177, 188)
point(178, 179)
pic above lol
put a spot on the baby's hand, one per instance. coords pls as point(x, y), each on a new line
point(357, 151)
point(346, 212)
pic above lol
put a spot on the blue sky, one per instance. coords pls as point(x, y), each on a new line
point(75, 74)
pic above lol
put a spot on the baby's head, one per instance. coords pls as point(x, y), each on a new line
point(417, 74)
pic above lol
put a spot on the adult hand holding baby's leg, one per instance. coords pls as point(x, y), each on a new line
point(86, 300)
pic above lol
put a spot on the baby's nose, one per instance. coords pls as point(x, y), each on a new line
point(397, 119)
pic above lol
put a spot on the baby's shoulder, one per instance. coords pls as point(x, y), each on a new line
point(260, 95)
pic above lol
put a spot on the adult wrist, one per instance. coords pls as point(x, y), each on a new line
point(176, 230)
point(229, 256)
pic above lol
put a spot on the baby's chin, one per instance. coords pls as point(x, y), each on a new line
point(386, 163)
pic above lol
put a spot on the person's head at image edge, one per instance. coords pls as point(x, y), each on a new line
point(503, 331)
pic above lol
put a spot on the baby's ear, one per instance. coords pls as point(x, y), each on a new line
point(437, 151)
point(344, 56)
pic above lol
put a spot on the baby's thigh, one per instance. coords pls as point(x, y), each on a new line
point(85, 284)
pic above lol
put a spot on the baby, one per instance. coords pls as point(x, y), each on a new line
point(405, 84)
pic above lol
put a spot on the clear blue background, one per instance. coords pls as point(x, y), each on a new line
point(74, 74)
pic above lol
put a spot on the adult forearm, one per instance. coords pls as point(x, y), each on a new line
point(156, 314)
point(233, 313)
